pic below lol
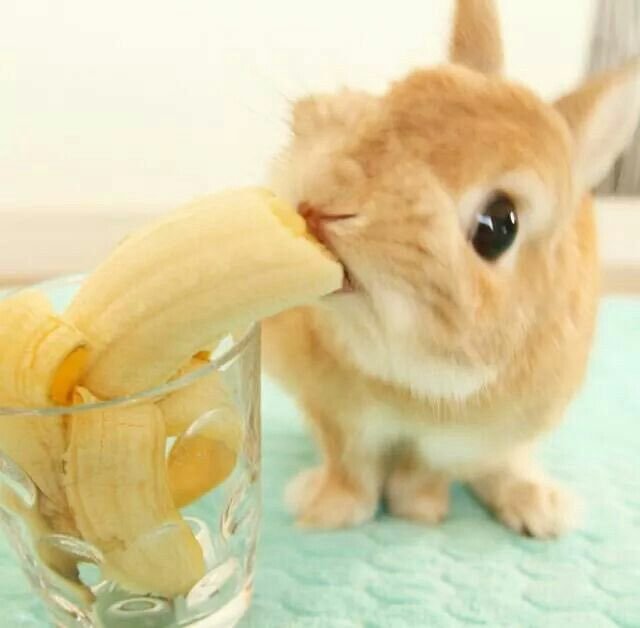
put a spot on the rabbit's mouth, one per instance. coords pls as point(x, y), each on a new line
point(319, 225)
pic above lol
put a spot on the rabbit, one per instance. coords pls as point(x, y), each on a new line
point(459, 204)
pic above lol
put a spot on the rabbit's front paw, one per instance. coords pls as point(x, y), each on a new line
point(321, 500)
point(534, 507)
point(538, 509)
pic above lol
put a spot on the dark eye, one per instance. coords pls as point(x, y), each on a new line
point(496, 227)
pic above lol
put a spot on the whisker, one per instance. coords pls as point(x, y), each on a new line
point(442, 293)
point(423, 250)
point(442, 315)
point(428, 287)
point(268, 79)
point(266, 117)
point(422, 220)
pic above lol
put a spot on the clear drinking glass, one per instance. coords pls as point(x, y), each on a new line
point(75, 577)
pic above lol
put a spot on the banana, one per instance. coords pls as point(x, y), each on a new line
point(166, 294)
point(167, 291)
point(204, 456)
point(41, 358)
point(41, 355)
point(116, 483)
point(211, 434)
point(182, 407)
point(37, 444)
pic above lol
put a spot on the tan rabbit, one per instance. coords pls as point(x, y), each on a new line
point(459, 203)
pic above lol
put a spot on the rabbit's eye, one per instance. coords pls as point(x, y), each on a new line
point(496, 227)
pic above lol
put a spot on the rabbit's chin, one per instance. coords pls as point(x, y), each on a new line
point(381, 341)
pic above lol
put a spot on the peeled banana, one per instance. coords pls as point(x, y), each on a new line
point(182, 407)
point(211, 434)
point(116, 483)
point(166, 292)
point(204, 456)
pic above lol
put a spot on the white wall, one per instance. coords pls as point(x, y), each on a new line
point(149, 102)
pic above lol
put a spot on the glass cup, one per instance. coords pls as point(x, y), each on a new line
point(111, 531)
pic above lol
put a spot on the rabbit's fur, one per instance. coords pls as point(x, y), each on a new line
point(439, 364)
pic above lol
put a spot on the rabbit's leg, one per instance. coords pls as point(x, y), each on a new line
point(344, 491)
point(413, 491)
point(524, 499)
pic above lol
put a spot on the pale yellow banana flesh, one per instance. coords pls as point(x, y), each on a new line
point(167, 291)
point(182, 407)
point(197, 464)
point(117, 485)
point(167, 561)
point(203, 458)
point(210, 429)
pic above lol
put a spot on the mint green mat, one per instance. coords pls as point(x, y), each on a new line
point(469, 570)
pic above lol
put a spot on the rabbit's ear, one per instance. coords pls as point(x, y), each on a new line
point(602, 115)
point(475, 40)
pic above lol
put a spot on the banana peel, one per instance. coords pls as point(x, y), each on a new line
point(42, 355)
point(116, 482)
point(41, 359)
point(63, 569)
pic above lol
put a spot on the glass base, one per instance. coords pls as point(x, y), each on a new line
point(230, 614)
point(135, 613)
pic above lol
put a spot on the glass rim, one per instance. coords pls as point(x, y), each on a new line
point(161, 390)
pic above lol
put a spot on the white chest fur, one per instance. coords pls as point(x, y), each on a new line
point(460, 450)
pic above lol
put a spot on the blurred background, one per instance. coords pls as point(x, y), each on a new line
point(110, 112)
